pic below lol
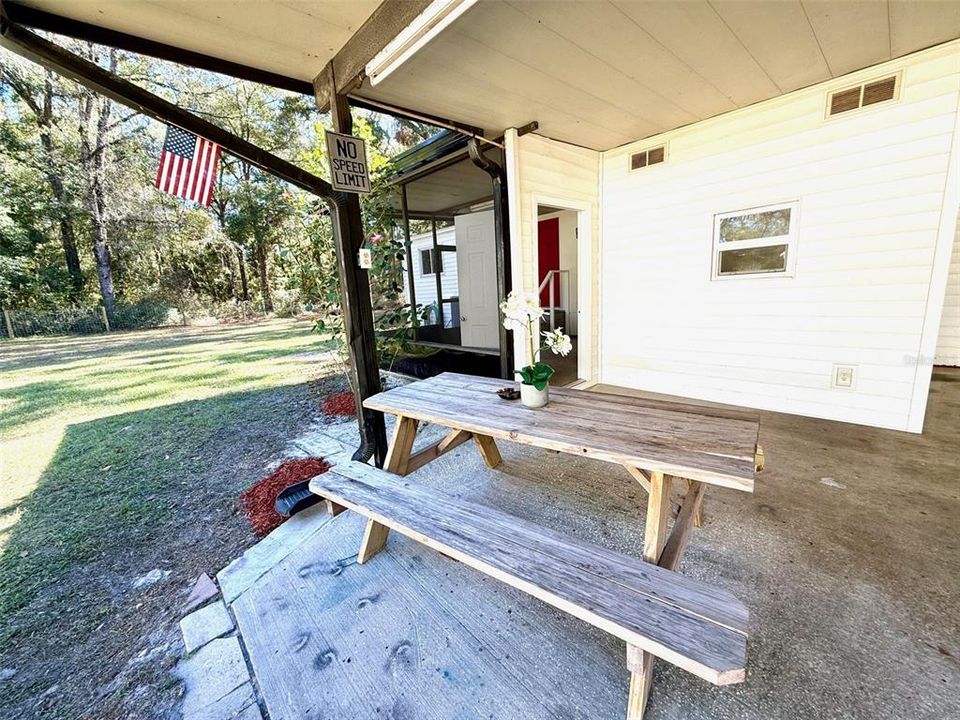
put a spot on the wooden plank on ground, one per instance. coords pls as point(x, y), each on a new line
point(705, 648)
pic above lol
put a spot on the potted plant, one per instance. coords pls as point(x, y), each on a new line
point(520, 313)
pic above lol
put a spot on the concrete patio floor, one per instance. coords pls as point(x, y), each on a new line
point(847, 554)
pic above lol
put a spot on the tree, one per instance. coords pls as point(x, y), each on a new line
point(37, 92)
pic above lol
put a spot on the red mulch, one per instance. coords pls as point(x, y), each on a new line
point(341, 404)
point(258, 499)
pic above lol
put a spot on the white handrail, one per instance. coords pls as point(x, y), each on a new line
point(549, 281)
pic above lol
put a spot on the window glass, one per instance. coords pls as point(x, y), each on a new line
point(770, 223)
point(768, 258)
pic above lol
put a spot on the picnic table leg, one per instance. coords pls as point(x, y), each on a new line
point(404, 433)
point(488, 450)
point(640, 663)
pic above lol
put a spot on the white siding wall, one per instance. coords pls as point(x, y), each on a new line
point(547, 172)
point(871, 188)
point(948, 343)
point(425, 286)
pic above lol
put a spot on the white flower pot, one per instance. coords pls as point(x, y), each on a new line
point(533, 398)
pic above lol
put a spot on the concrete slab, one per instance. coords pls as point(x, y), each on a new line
point(211, 676)
point(206, 624)
point(249, 567)
point(852, 590)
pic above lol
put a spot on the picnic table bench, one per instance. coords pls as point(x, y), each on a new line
point(655, 441)
point(657, 612)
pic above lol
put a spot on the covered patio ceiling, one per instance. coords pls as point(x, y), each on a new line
point(294, 38)
point(596, 74)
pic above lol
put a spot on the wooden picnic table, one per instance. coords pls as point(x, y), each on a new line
point(654, 440)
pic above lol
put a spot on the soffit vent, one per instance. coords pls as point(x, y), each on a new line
point(863, 95)
point(647, 157)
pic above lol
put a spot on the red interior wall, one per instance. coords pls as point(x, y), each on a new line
point(548, 258)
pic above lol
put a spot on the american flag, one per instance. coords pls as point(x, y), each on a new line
point(188, 166)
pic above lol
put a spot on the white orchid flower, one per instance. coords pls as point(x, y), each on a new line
point(558, 342)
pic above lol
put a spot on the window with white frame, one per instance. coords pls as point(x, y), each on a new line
point(757, 241)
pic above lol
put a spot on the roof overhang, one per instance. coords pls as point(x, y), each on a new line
point(593, 74)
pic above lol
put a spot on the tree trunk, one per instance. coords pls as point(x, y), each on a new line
point(245, 287)
point(95, 112)
point(261, 257)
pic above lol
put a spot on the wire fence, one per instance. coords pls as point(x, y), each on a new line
point(85, 321)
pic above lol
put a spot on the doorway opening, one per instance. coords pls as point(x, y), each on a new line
point(558, 281)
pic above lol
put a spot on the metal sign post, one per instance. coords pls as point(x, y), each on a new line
point(348, 163)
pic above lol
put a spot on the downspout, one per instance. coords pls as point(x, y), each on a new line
point(501, 226)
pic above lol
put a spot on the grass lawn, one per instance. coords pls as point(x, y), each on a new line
point(120, 454)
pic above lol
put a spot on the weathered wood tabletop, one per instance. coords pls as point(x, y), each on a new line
point(716, 446)
point(654, 440)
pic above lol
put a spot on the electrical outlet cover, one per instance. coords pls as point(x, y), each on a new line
point(844, 377)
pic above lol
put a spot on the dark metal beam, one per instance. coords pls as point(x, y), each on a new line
point(501, 226)
point(41, 20)
point(357, 305)
point(437, 268)
point(347, 66)
point(42, 51)
point(405, 215)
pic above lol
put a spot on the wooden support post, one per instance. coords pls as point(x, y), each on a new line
point(9, 323)
point(680, 535)
point(374, 538)
point(404, 433)
point(640, 476)
point(698, 517)
point(104, 318)
point(658, 511)
point(333, 508)
point(355, 298)
point(640, 663)
point(453, 439)
point(488, 450)
point(398, 458)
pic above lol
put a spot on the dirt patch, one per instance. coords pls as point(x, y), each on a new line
point(94, 647)
point(258, 500)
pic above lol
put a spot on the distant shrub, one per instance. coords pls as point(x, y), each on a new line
point(137, 316)
point(286, 303)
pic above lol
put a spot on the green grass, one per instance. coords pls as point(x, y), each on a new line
point(99, 436)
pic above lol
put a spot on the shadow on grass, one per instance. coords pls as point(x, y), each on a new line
point(127, 488)
point(34, 352)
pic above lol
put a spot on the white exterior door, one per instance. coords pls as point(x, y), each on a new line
point(477, 274)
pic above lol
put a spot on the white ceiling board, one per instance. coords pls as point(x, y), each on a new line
point(456, 76)
point(916, 25)
point(453, 186)
point(851, 34)
point(626, 50)
point(695, 34)
point(779, 36)
point(537, 54)
point(295, 38)
point(597, 74)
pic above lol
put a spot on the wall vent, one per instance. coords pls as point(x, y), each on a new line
point(647, 157)
point(861, 96)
